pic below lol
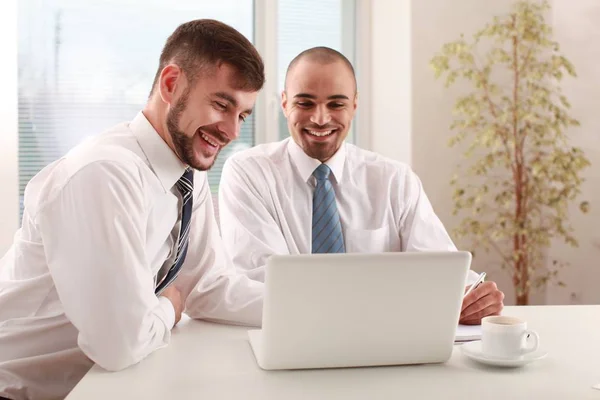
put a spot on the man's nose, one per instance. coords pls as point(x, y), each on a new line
point(231, 128)
point(321, 116)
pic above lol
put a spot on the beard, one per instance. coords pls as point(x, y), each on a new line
point(321, 151)
point(184, 145)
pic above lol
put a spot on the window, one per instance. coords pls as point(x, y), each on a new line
point(85, 66)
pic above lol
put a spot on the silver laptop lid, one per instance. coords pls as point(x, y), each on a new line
point(362, 309)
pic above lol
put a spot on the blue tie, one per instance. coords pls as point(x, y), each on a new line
point(326, 227)
point(185, 184)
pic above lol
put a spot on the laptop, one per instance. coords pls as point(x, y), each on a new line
point(355, 310)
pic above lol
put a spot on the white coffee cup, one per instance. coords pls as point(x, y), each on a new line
point(507, 337)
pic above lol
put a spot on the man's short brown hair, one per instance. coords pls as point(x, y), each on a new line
point(198, 45)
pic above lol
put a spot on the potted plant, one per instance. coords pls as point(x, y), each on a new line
point(522, 173)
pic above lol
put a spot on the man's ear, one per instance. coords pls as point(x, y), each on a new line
point(284, 102)
point(170, 77)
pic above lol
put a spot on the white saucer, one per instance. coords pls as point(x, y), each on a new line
point(473, 351)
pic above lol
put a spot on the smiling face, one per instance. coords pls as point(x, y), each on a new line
point(203, 118)
point(319, 103)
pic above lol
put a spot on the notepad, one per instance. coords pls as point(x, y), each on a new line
point(466, 333)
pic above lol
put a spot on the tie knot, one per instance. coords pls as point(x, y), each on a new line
point(322, 172)
point(186, 182)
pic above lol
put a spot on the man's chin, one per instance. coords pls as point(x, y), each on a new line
point(320, 151)
point(203, 164)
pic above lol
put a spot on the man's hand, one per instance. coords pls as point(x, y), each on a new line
point(174, 296)
point(483, 301)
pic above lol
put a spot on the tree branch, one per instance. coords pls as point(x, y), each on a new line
point(503, 134)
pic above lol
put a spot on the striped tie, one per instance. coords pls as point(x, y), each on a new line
point(326, 227)
point(185, 184)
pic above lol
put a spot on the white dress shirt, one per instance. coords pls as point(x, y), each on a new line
point(77, 286)
point(265, 205)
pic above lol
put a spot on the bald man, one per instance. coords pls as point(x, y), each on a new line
point(313, 193)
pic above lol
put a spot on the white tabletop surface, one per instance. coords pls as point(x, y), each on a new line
point(213, 361)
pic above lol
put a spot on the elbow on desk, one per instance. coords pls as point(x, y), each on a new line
point(119, 343)
point(116, 359)
point(116, 364)
point(117, 356)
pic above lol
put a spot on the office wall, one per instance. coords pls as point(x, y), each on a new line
point(434, 22)
point(577, 29)
point(9, 189)
point(390, 103)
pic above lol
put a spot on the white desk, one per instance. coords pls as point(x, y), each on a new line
point(211, 361)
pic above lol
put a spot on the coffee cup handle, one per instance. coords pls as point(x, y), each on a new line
point(536, 341)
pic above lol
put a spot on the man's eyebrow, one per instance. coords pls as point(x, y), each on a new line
point(227, 97)
point(232, 101)
point(306, 95)
point(312, 96)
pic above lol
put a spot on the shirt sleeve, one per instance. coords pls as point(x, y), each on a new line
point(250, 233)
point(419, 226)
point(209, 282)
point(94, 235)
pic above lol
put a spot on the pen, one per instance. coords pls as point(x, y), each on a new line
point(477, 283)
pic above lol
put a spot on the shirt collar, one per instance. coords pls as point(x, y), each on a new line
point(163, 161)
point(307, 165)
